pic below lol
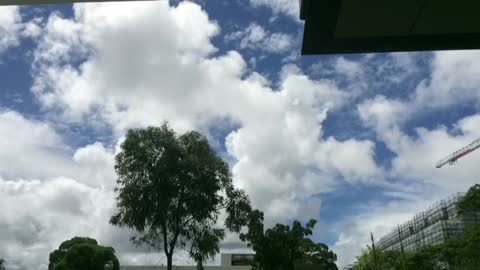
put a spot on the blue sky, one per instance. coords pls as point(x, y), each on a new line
point(350, 140)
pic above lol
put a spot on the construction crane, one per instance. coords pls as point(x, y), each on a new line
point(451, 159)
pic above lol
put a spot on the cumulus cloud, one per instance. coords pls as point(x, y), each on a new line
point(455, 79)
point(417, 157)
point(10, 26)
point(258, 38)
point(278, 149)
point(414, 160)
point(452, 82)
point(349, 68)
point(50, 193)
point(41, 214)
point(137, 64)
point(287, 7)
point(29, 148)
point(132, 67)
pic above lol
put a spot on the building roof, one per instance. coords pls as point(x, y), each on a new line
point(352, 26)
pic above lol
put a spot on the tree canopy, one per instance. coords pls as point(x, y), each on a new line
point(81, 253)
point(2, 262)
point(471, 201)
point(171, 189)
point(286, 248)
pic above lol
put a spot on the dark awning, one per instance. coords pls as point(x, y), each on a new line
point(363, 26)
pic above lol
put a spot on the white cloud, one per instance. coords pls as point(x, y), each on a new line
point(32, 149)
point(417, 157)
point(50, 193)
point(287, 7)
point(43, 213)
point(171, 74)
point(146, 62)
point(10, 25)
point(32, 29)
point(256, 37)
point(377, 218)
point(453, 82)
point(455, 79)
point(383, 114)
point(153, 62)
point(28, 149)
point(351, 69)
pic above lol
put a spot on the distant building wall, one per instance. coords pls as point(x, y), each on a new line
point(433, 226)
point(228, 262)
point(185, 267)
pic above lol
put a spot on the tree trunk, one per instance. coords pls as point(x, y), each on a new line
point(169, 261)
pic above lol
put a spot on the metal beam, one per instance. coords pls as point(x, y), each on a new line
point(37, 2)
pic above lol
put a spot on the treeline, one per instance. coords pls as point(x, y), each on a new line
point(171, 189)
point(462, 253)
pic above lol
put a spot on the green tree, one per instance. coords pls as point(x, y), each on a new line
point(286, 248)
point(381, 260)
point(471, 201)
point(171, 189)
point(469, 249)
point(2, 262)
point(204, 244)
point(81, 253)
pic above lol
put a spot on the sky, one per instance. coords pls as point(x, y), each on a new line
point(350, 140)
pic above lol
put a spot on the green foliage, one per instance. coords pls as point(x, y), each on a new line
point(205, 244)
point(2, 262)
point(171, 189)
point(286, 248)
point(83, 254)
point(471, 201)
point(379, 260)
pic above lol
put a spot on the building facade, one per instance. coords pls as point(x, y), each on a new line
point(433, 226)
point(227, 262)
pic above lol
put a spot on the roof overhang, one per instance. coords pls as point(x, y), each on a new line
point(364, 26)
point(36, 2)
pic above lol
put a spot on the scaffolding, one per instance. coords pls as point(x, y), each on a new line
point(431, 227)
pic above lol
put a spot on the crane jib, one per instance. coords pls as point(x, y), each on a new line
point(459, 153)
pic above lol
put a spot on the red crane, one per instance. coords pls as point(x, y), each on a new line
point(451, 159)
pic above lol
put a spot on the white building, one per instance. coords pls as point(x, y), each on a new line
point(228, 262)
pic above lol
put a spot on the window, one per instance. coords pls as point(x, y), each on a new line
point(242, 259)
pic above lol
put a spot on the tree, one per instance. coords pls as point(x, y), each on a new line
point(81, 253)
point(2, 266)
point(469, 248)
point(471, 201)
point(286, 248)
point(205, 244)
point(171, 189)
point(381, 260)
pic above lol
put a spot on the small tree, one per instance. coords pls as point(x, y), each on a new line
point(2, 262)
point(286, 248)
point(471, 201)
point(81, 253)
point(171, 189)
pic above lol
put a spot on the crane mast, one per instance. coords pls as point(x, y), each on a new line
point(459, 153)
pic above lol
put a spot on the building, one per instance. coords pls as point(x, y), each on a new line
point(227, 262)
point(349, 26)
point(433, 226)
